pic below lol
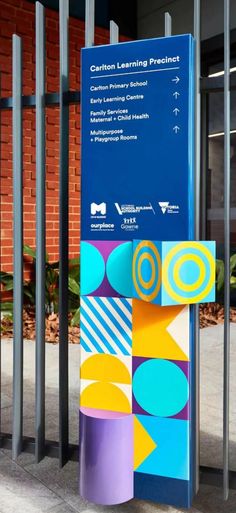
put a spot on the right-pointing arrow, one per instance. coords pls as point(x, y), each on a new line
point(176, 79)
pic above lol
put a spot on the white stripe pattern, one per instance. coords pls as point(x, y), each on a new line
point(106, 325)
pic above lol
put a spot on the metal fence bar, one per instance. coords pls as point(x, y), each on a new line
point(206, 85)
point(17, 429)
point(114, 33)
point(1, 297)
point(168, 24)
point(63, 236)
point(51, 99)
point(40, 236)
point(226, 247)
point(89, 22)
point(204, 161)
point(197, 35)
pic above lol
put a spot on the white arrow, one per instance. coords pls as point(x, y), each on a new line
point(176, 79)
point(176, 94)
point(176, 129)
point(176, 111)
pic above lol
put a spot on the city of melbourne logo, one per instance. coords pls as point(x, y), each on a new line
point(98, 210)
point(166, 208)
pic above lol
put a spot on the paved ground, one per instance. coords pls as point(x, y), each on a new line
point(27, 487)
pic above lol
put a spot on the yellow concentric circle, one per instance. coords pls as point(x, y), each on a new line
point(157, 273)
point(176, 272)
point(146, 256)
point(202, 249)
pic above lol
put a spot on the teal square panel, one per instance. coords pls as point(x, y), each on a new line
point(167, 453)
point(188, 272)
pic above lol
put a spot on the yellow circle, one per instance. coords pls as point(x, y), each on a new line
point(189, 245)
point(147, 244)
point(146, 284)
point(176, 272)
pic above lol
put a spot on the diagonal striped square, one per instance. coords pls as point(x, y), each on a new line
point(106, 325)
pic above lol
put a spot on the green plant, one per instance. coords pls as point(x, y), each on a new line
point(220, 278)
point(51, 286)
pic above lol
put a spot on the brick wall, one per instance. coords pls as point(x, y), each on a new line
point(17, 16)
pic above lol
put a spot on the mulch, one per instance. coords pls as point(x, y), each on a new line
point(51, 328)
point(211, 314)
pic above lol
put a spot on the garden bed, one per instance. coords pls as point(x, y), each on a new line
point(213, 313)
point(51, 328)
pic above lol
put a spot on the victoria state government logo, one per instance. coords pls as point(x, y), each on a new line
point(166, 208)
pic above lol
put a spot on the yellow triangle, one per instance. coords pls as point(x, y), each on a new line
point(143, 443)
point(150, 335)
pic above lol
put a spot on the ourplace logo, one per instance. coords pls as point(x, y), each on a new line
point(166, 208)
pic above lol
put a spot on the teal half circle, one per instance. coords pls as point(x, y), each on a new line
point(92, 268)
point(119, 269)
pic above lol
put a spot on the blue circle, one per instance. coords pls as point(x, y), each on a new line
point(119, 269)
point(92, 268)
point(160, 387)
point(189, 272)
point(146, 270)
point(189, 251)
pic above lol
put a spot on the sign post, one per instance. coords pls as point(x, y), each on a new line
point(137, 355)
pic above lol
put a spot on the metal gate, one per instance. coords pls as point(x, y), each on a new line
point(204, 85)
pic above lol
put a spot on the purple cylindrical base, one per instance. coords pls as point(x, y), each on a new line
point(106, 456)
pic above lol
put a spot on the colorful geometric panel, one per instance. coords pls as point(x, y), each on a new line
point(106, 367)
point(106, 325)
point(105, 382)
point(188, 272)
point(146, 271)
point(160, 332)
point(170, 454)
point(144, 445)
point(170, 273)
point(106, 268)
point(161, 388)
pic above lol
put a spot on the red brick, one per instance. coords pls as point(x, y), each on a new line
point(19, 15)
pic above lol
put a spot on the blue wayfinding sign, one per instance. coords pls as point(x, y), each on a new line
point(137, 140)
point(138, 184)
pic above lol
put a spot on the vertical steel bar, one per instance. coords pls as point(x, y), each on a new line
point(17, 430)
point(168, 24)
point(0, 270)
point(89, 22)
point(197, 35)
point(40, 235)
point(114, 33)
point(204, 161)
point(226, 247)
point(63, 235)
